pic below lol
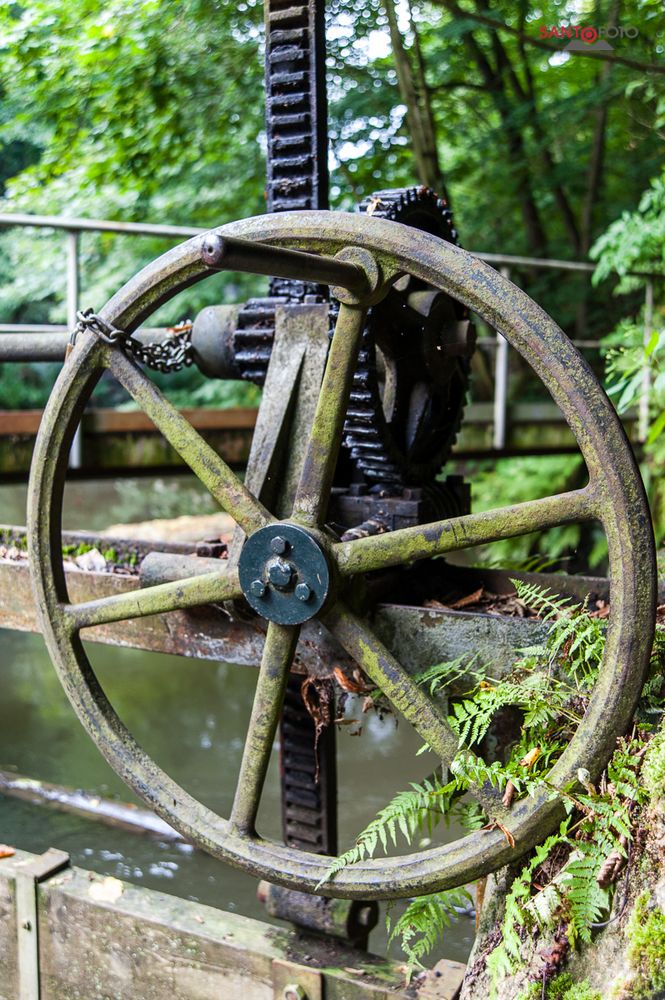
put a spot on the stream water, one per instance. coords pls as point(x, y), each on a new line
point(191, 715)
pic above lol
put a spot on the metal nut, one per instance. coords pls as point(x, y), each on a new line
point(258, 588)
point(294, 992)
point(280, 573)
point(303, 591)
point(279, 545)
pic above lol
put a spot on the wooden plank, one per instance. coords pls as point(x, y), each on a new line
point(418, 637)
point(139, 944)
point(9, 986)
point(111, 421)
point(20, 422)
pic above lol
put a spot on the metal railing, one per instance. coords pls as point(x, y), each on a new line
point(505, 263)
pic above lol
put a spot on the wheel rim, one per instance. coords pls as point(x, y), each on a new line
point(614, 497)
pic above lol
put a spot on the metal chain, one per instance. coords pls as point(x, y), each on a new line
point(169, 355)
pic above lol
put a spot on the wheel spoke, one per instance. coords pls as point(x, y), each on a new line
point(325, 438)
point(213, 472)
point(407, 697)
point(424, 541)
point(268, 698)
point(209, 588)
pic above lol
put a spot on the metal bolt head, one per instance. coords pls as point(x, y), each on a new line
point(280, 573)
point(303, 591)
point(258, 588)
point(279, 545)
point(294, 992)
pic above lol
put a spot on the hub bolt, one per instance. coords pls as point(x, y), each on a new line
point(303, 591)
point(280, 573)
point(258, 588)
point(279, 545)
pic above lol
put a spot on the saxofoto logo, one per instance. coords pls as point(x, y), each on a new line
point(581, 35)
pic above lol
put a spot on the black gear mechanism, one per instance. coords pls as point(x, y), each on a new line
point(410, 384)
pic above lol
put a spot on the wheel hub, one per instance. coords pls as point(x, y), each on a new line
point(284, 574)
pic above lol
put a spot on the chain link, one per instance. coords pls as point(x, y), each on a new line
point(169, 355)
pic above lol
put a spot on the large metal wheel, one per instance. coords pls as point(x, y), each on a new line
point(308, 554)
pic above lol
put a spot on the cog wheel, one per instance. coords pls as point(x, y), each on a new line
point(410, 385)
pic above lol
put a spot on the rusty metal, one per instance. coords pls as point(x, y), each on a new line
point(391, 508)
point(614, 496)
point(406, 406)
point(296, 114)
point(222, 253)
point(350, 920)
point(308, 769)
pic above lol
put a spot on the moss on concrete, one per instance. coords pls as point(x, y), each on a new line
point(561, 988)
point(646, 948)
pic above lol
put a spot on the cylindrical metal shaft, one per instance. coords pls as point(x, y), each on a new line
point(225, 253)
point(20, 347)
point(33, 346)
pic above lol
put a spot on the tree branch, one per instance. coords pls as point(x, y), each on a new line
point(589, 53)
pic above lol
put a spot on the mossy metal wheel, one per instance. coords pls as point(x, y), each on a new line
point(613, 496)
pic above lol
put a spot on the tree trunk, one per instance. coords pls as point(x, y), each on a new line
point(421, 124)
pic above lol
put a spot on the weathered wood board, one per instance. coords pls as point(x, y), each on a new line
point(115, 941)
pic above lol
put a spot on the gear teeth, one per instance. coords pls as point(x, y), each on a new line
point(366, 434)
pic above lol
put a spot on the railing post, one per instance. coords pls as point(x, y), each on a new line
point(75, 454)
point(645, 394)
point(500, 386)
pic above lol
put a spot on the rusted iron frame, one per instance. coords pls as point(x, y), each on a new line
point(615, 497)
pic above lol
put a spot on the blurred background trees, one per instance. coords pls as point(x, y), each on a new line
point(149, 110)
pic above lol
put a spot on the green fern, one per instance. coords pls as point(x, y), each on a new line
point(420, 807)
point(425, 920)
point(549, 687)
point(575, 641)
point(585, 901)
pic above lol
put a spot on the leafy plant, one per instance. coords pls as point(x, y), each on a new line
point(569, 877)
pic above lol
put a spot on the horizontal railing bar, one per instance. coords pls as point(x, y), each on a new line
point(51, 345)
point(155, 229)
point(53, 328)
point(546, 262)
point(97, 225)
point(30, 328)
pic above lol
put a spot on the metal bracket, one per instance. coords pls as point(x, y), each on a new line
point(27, 879)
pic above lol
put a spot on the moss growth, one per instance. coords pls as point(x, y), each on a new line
point(646, 948)
point(561, 988)
point(653, 769)
point(110, 555)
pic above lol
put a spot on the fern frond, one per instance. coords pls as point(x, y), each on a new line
point(425, 919)
point(447, 673)
point(421, 806)
point(585, 900)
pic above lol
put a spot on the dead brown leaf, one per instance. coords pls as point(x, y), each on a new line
point(509, 795)
point(469, 599)
point(530, 758)
point(496, 825)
